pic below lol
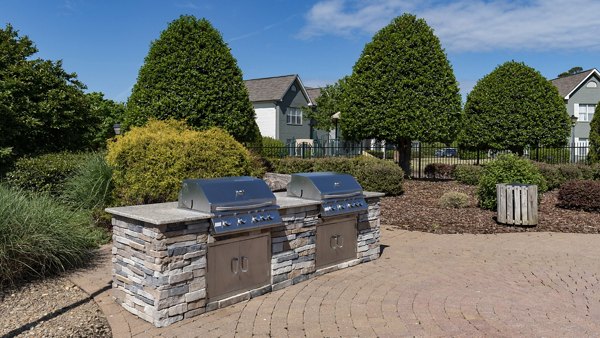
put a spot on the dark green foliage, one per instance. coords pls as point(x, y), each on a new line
point(402, 88)
point(40, 236)
point(583, 195)
point(551, 155)
point(572, 71)
point(552, 175)
point(90, 186)
point(440, 171)
point(328, 103)
point(42, 107)
point(507, 168)
point(372, 174)
point(189, 74)
point(594, 153)
point(513, 107)
point(46, 173)
point(465, 154)
point(108, 113)
point(468, 173)
point(557, 174)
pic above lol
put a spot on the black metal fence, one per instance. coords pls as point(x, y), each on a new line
point(421, 154)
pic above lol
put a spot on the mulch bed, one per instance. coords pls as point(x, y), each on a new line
point(418, 209)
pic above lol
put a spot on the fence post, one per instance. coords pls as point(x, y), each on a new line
point(419, 145)
point(477, 163)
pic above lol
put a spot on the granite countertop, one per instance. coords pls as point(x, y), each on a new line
point(167, 213)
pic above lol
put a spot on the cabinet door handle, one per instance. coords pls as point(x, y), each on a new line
point(244, 264)
point(339, 240)
point(235, 264)
point(333, 242)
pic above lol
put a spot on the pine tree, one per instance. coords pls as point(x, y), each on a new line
point(189, 74)
point(402, 89)
point(514, 107)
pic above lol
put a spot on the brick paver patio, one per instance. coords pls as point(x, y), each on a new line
point(520, 284)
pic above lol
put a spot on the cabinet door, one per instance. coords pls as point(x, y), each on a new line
point(223, 271)
point(255, 262)
point(336, 242)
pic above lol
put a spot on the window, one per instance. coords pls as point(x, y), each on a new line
point(586, 112)
point(592, 84)
point(294, 116)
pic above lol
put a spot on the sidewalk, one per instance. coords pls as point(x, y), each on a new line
point(517, 284)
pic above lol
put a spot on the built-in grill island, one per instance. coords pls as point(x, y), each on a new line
point(230, 239)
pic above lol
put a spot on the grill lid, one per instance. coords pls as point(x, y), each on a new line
point(340, 194)
point(323, 185)
point(225, 194)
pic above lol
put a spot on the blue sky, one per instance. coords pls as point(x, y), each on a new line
point(105, 42)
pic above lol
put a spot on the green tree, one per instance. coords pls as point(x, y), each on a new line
point(42, 107)
point(572, 71)
point(595, 136)
point(402, 88)
point(189, 74)
point(328, 103)
point(514, 107)
point(107, 113)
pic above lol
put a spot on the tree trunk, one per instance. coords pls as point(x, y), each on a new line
point(402, 155)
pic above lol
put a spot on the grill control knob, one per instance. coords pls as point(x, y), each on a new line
point(225, 223)
point(254, 219)
point(241, 221)
point(328, 208)
point(269, 217)
point(341, 206)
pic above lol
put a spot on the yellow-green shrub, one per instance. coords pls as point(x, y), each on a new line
point(150, 162)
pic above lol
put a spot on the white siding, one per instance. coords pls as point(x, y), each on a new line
point(266, 118)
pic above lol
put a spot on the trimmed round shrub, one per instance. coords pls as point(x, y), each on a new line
point(553, 176)
point(583, 195)
point(291, 165)
point(335, 164)
point(40, 236)
point(45, 173)
point(150, 162)
point(378, 175)
point(439, 170)
point(272, 148)
point(468, 173)
point(454, 199)
point(570, 172)
point(508, 168)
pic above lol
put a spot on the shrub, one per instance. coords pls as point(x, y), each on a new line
point(46, 173)
point(336, 164)
point(507, 168)
point(587, 171)
point(150, 162)
point(439, 170)
point(570, 172)
point(273, 148)
point(40, 236)
point(553, 176)
point(378, 175)
point(468, 173)
point(584, 195)
point(454, 199)
point(291, 165)
point(91, 184)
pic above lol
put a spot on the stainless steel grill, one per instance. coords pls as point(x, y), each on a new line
point(339, 194)
point(237, 204)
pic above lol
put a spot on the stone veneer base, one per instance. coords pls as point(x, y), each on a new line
point(159, 266)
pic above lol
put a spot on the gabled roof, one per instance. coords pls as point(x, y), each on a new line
point(314, 93)
point(273, 88)
point(568, 84)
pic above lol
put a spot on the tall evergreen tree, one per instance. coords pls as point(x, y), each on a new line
point(595, 136)
point(190, 74)
point(514, 107)
point(402, 89)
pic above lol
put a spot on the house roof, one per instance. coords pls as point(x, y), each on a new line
point(273, 88)
point(568, 84)
point(314, 93)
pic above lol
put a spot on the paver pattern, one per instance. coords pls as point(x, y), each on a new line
point(515, 284)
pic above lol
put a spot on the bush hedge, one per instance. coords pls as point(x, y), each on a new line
point(454, 199)
point(439, 170)
point(468, 173)
point(508, 168)
point(272, 148)
point(39, 236)
point(150, 162)
point(373, 174)
point(582, 194)
point(46, 173)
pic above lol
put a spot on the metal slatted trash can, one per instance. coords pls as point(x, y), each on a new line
point(517, 204)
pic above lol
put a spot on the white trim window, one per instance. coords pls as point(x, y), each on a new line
point(586, 112)
point(294, 116)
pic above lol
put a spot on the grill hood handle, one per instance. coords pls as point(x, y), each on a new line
point(341, 195)
point(244, 207)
